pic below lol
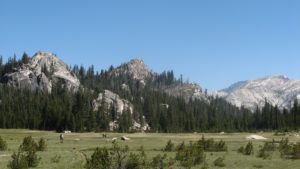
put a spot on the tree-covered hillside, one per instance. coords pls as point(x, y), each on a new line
point(64, 109)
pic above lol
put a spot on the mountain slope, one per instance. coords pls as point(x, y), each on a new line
point(136, 69)
point(277, 90)
point(42, 71)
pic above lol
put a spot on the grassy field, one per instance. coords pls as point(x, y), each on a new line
point(76, 144)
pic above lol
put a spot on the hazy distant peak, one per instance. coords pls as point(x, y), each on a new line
point(277, 90)
point(273, 77)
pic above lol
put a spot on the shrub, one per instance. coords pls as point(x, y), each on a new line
point(241, 150)
point(205, 166)
point(180, 147)
point(219, 162)
point(191, 155)
point(249, 149)
point(56, 159)
point(119, 155)
point(258, 166)
point(3, 144)
point(263, 153)
point(284, 146)
point(161, 162)
point(290, 151)
point(32, 158)
point(42, 145)
point(26, 156)
point(143, 156)
point(221, 146)
point(209, 145)
point(169, 146)
point(19, 161)
point(28, 144)
point(134, 162)
point(100, 159)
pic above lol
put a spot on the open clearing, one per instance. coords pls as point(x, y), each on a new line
point(76, 145)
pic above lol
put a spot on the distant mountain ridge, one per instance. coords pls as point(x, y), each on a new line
point(45, 69)
point(277, 90)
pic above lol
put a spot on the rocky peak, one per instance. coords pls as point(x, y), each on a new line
point(43, 70)
point(135, 68)
point(55, 66)
point(136, 62)
point(47, 59)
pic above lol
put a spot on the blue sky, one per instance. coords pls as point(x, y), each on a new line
point(211, 42)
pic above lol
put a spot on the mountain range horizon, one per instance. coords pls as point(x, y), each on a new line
point(178, 74)
point(277, 89)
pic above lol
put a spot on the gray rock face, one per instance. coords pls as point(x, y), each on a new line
point(187, 91)
point(43, 70)
point(135, 68)
point(111, 98)
point(277, 90)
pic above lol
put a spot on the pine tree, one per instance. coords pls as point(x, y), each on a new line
point(25, 58)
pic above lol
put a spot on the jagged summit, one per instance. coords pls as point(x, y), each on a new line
point(53, 65)
point(43, 70)
point(45, 58)
point(136, 62)
point(135, 68)
point(277, 90)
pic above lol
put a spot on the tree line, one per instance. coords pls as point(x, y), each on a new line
point(64, 110)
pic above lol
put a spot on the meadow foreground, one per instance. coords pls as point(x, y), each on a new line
point(71, 153)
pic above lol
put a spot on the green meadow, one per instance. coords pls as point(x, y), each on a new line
point(78, 146)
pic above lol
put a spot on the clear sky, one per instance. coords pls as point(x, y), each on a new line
point(212, 42)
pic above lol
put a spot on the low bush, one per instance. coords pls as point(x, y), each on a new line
point(42, 145)
point(258, 166)
point(134, 161)
point(180, 147)
point(101, 158)
point(161, 162)
point(249, 149)
point(19, 161)
point(209, 145)
point(263, 153)
point(169, 146)
point(26, 156)
point(56, 159)
point(241, 150)
point(219, 162)
point(3, 144)
point(290, 151)
point(191, 155)
point(266, 150)
point(28, 144)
